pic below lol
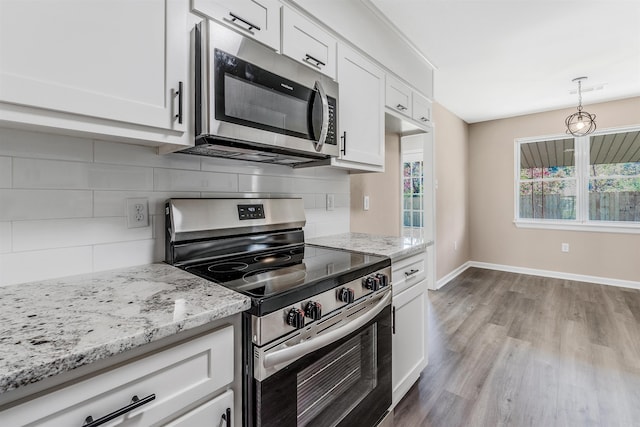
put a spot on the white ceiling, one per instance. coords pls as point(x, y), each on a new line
point(505, 58)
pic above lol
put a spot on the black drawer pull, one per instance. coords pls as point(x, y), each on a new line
point(227, 417)
point(410, 273)
point(135, 403)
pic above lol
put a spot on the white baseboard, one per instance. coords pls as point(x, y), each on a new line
point(452, 275)
point(548, 273)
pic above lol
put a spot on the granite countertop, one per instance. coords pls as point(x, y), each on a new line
point(395, 248)
point(54, 326)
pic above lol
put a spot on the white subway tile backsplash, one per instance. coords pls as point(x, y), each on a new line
point(180, 180)
point(139, 155)
point(44, 204)
point(266, 184)
point(62, 200)
point(36, 145)
point(60, 233)
point(119, 255)
point(21, 267)
point(5, 237)
point(35, 173)
point(5, 172)
point(112, 203)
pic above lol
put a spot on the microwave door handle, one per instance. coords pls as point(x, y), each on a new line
point(325, 117)
point(289, 354)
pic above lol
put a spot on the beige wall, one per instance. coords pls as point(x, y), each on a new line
point(383, 189)
point(452, 195)
point(494, 237)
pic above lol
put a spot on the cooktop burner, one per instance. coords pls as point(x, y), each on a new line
point(272, 275)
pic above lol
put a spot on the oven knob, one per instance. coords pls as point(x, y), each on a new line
point(371, 283)
point(346, 295)
point(313, 310)
point(384, 279)
point(295, 318)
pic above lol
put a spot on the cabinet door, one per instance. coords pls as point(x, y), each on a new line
point(214, 413)
point(361, 111)
point(409, 339)
point(307, 43)
point(398, 96)
point(421, 111)
point(107, 59)
point(258, 19)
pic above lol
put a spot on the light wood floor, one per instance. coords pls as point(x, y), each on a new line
point(510, 349)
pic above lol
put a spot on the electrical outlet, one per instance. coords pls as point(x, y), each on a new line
point(455, 245)
point(331, 202)
point(137, 213)
point(366, 203)
point(565, 247)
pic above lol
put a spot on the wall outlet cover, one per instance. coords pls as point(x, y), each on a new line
point(331, 202)
point(137, 213)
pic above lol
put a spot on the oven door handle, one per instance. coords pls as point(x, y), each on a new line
point(292, 353)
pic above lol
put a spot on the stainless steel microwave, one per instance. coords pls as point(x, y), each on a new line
point(253, 104)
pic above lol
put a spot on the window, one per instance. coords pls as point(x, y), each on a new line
point(591, 181)
point(413, 190)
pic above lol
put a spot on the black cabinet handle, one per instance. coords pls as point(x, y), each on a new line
point(179, 94)
point(135, 403)
point(410, 273)
point(313, 61)
point(227, 417)
point(235, 18)
point(393, 320)
point(344, 142)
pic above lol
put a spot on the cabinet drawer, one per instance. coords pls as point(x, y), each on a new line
point(398, 96)
point(177, 377)
point(421, 111)
point(307, 43)
point(407, 272)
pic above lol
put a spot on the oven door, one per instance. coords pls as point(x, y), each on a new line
point(346, 382)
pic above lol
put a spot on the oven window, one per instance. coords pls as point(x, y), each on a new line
point(331, 387)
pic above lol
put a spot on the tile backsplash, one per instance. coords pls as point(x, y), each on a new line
point(62, 200)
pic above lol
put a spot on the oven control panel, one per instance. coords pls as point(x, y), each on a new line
point(317, 308)
point(251, 211)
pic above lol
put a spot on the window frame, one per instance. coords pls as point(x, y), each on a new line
point(582, 163)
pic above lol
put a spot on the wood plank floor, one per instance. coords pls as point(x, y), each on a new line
point(509, 349)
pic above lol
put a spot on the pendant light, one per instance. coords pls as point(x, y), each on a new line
point(580, 123)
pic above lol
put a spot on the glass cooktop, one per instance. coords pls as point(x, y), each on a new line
point(297, 272)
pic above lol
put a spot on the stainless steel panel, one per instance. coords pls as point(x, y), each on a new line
point(199, 218)
point(272, 326)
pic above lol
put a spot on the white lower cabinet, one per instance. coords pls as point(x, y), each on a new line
point(215, 413)
point(409, 340)
point(170, 381)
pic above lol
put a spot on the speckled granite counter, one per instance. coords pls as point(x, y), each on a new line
point(54, 326)
point(394, 247)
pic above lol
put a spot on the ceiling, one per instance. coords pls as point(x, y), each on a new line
point(505, 58)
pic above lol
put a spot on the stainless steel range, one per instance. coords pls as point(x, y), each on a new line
point(317, 339)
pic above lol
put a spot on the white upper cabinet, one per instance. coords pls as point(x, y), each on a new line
point(308, 43)
point(106, 67)
point(398, 96)
point(258, 19)
point(402, 100)
point(421, 108)
point(360, 112)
